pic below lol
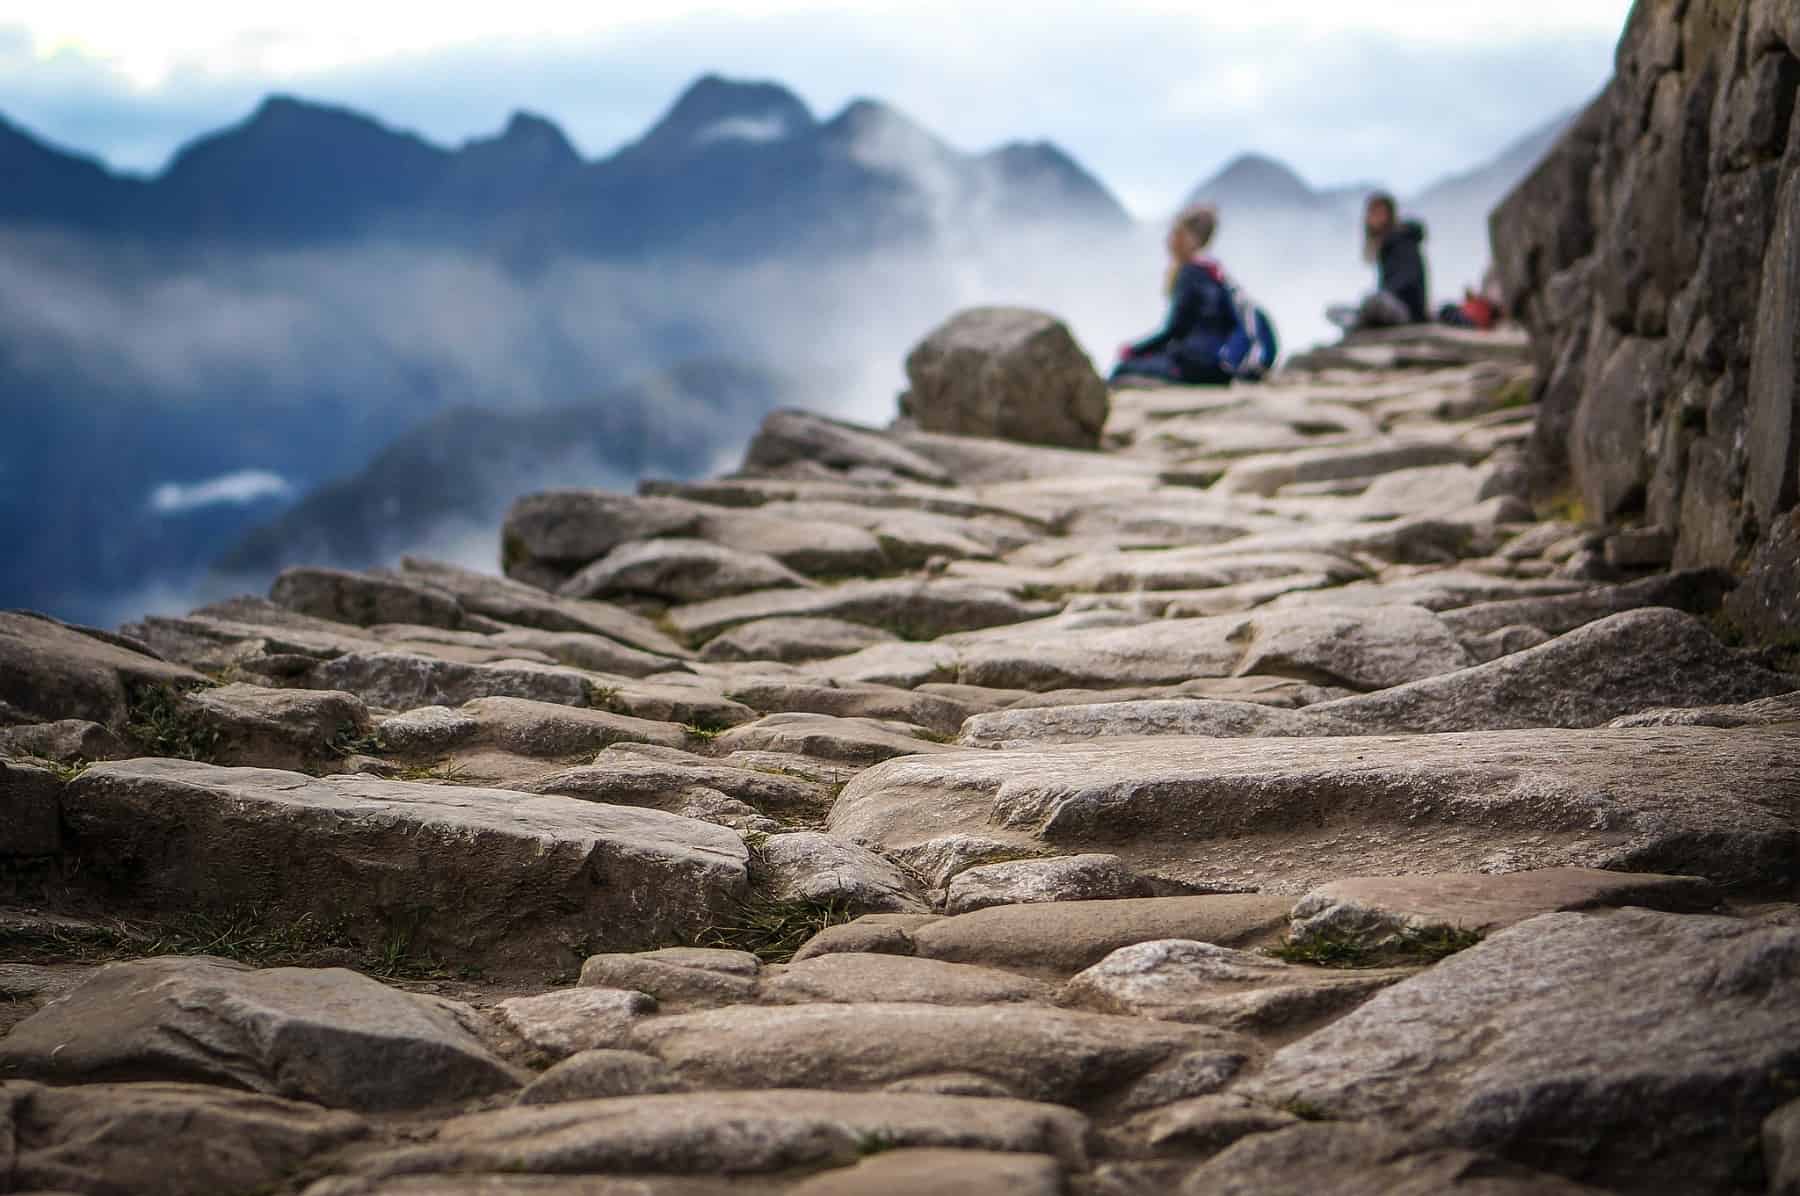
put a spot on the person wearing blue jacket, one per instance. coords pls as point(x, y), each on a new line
point(1202, 318)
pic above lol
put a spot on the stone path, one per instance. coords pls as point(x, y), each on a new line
point(1268, 802)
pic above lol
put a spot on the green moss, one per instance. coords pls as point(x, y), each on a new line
point(1424, 945)
point(1515, 394)
point(1566, 507)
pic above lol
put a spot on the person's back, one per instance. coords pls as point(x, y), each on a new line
point(1198, 340)
point(1400, 268)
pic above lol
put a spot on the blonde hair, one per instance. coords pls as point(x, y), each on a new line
point(1199, 221)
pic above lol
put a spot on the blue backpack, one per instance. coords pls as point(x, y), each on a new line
point(1249, 352)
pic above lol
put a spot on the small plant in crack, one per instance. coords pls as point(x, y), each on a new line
point(773, 929)
point(159, 719)
point(1427, 944)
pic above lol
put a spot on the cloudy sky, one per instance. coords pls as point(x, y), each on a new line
point(1150, 94)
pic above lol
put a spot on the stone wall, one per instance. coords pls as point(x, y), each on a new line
point(1655, 257)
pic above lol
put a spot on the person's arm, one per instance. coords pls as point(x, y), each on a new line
point(1186, 309)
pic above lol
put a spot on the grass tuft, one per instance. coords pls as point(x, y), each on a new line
point(1424, 945)
point(1565, 507)
point(350, 742)
point(250, 934)
point(64, 771)
point(164, 725)
point(1305, 1110)
point(773, 930)
point(602, 697)
point(446, 771)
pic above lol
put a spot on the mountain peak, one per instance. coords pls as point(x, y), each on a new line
point(527, 133)
point(1257, 179)
point(714, 108)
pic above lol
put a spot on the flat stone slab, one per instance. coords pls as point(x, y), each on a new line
point(573, 1020)
point(678, 977)
point(1373, 909)
point(858, 741)
point(1065, 936)
point(507, 601)
point(942, 1173)
point(938, 714)
point(1360, 1160)
point(1093, 877)
point(1637, 1050)
point(1360, 649)
point(1180, 980)
point(1031, 1052)
point(809, 866)
point(1029, 725)
point(325, 1035)
point(480, 875)
point(909, 607)
point(857, 977)
point(1607, 669)
point(1291, 814)
point(678, 570)
point(522, 727)
point(51, 670)
point(737, 1133)
point(624, 776)
point(152, 1139)
point(794, 639)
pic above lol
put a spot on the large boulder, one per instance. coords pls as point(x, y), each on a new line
point(1359, 1160)
point(486, 876)
point(790, 437)
point(1636, 1050)
point(51, 670)
point(151, 1139)
point(1289, 814)
point(1006, 372)
point(325, 1035)
point(365, 598)
point(1617, 666)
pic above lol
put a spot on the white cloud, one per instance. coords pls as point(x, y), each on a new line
point(237, 489)
point(150, 43)
point(745, 128)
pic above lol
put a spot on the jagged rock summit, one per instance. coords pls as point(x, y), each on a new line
point(1255, 792)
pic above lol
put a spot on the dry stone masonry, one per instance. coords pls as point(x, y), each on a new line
point(1655, 255)
point(1238, 790)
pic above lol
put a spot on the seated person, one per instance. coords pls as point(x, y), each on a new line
point(1202, 315)
point(1392, 246)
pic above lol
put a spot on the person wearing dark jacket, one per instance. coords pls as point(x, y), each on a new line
point(1201, 316)
point(1402, 292)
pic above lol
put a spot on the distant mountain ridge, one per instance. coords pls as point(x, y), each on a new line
point(735, 168)
point(1258, 182)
